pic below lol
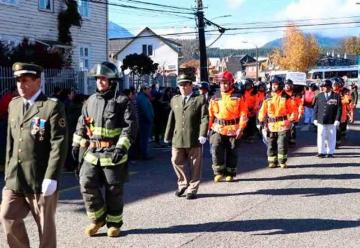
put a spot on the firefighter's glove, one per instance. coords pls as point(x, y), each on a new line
point(202, 140)
point(316, 122)
point(75, 153)
point(118, 154)
point(337, 123)
point(48, 187)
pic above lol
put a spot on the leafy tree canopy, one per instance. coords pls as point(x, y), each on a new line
point(139, 64)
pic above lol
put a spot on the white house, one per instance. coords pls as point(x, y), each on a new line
point(163, 51)
point(37, 20)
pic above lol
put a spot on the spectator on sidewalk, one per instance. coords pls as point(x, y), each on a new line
point(146, 119)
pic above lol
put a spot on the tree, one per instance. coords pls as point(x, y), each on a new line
point(36, 53)
point(352, 45)
point(66, 19)
point(139, 64)
point(300, 52)
point(4, 55)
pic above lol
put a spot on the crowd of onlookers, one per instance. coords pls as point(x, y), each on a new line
point(152, 104)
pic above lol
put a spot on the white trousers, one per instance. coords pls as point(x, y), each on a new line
point(326, 138)
point(308, 115)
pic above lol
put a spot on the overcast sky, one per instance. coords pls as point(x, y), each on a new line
point(244, 13)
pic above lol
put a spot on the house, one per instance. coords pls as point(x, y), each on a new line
point(163, 51)
point(236, 63)
point(250, 68)
point(38, 21)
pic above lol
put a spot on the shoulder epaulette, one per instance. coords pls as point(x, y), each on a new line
point(15, 98)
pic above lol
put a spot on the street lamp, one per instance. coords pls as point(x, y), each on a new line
point(257, 57)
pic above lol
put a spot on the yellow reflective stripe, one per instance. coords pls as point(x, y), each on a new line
point(91, 158)
point(108, 161)
point(230, 169)
point(97, 214)
point(272, 158)
point(219, 167)
point(124, 142)
point(114, 218)
point(282, 156)
point(76, 139)
point(106, 132)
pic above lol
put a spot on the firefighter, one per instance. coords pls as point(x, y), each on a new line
point(297, 101)
point(106, 128)
point(250, 96)
point(345, 99)
point(227, 120)
point(277, 114)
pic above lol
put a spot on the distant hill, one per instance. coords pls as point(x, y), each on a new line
point(323, 41)
point(116, 31)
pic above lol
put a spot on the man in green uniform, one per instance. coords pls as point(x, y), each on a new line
point(106, 128)
point(187, 128)
point(35, 153)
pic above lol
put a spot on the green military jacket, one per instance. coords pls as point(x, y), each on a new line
point(36, 144)
point(187, 123)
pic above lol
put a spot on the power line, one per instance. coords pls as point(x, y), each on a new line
point(156, 4)
point(139, 8)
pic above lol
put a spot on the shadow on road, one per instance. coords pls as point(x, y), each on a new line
point(267, 226)
point(305, 192)
point(306, 176)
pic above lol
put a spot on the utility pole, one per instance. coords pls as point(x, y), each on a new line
point(202, 42)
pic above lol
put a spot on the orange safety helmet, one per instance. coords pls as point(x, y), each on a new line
point(226, 75)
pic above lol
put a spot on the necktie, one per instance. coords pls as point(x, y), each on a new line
point(184, 101)
point(26, 106)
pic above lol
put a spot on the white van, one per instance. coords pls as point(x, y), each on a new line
point(298, 78)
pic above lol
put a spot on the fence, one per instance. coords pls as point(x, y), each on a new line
point(163, 81)
point(78, 80)
point(51, 79)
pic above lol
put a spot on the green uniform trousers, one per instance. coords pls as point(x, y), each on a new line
point(224, 154)
point(277, 147)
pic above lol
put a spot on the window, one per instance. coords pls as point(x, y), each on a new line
point(8, 2)
point(83, 7)
point(47, 5)
point(84, 57)
point(150, 50)
point(147, 50)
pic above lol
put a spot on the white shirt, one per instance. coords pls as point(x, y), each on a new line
point(187, 97)
point(31, 101)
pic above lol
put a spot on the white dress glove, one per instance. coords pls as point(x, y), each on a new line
point(337, 123)
point(202, 140)
point(48, 187)
point(316, 122)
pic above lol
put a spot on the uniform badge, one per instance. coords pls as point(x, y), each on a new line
point(42, 129)
point(35, 126)
point(62, 122)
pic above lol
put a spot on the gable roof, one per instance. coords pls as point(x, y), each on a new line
point(172, 44)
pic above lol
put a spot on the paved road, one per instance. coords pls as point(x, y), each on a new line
point(313, 203)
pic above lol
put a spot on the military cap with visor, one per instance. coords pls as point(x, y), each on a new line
point(326, 83)
point(21, 69)
point(183, 79)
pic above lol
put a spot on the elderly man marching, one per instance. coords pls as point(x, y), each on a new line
point(35, 154)
point(187, 128)
point(106, 128)
point(227, 120)
point(277, 114)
